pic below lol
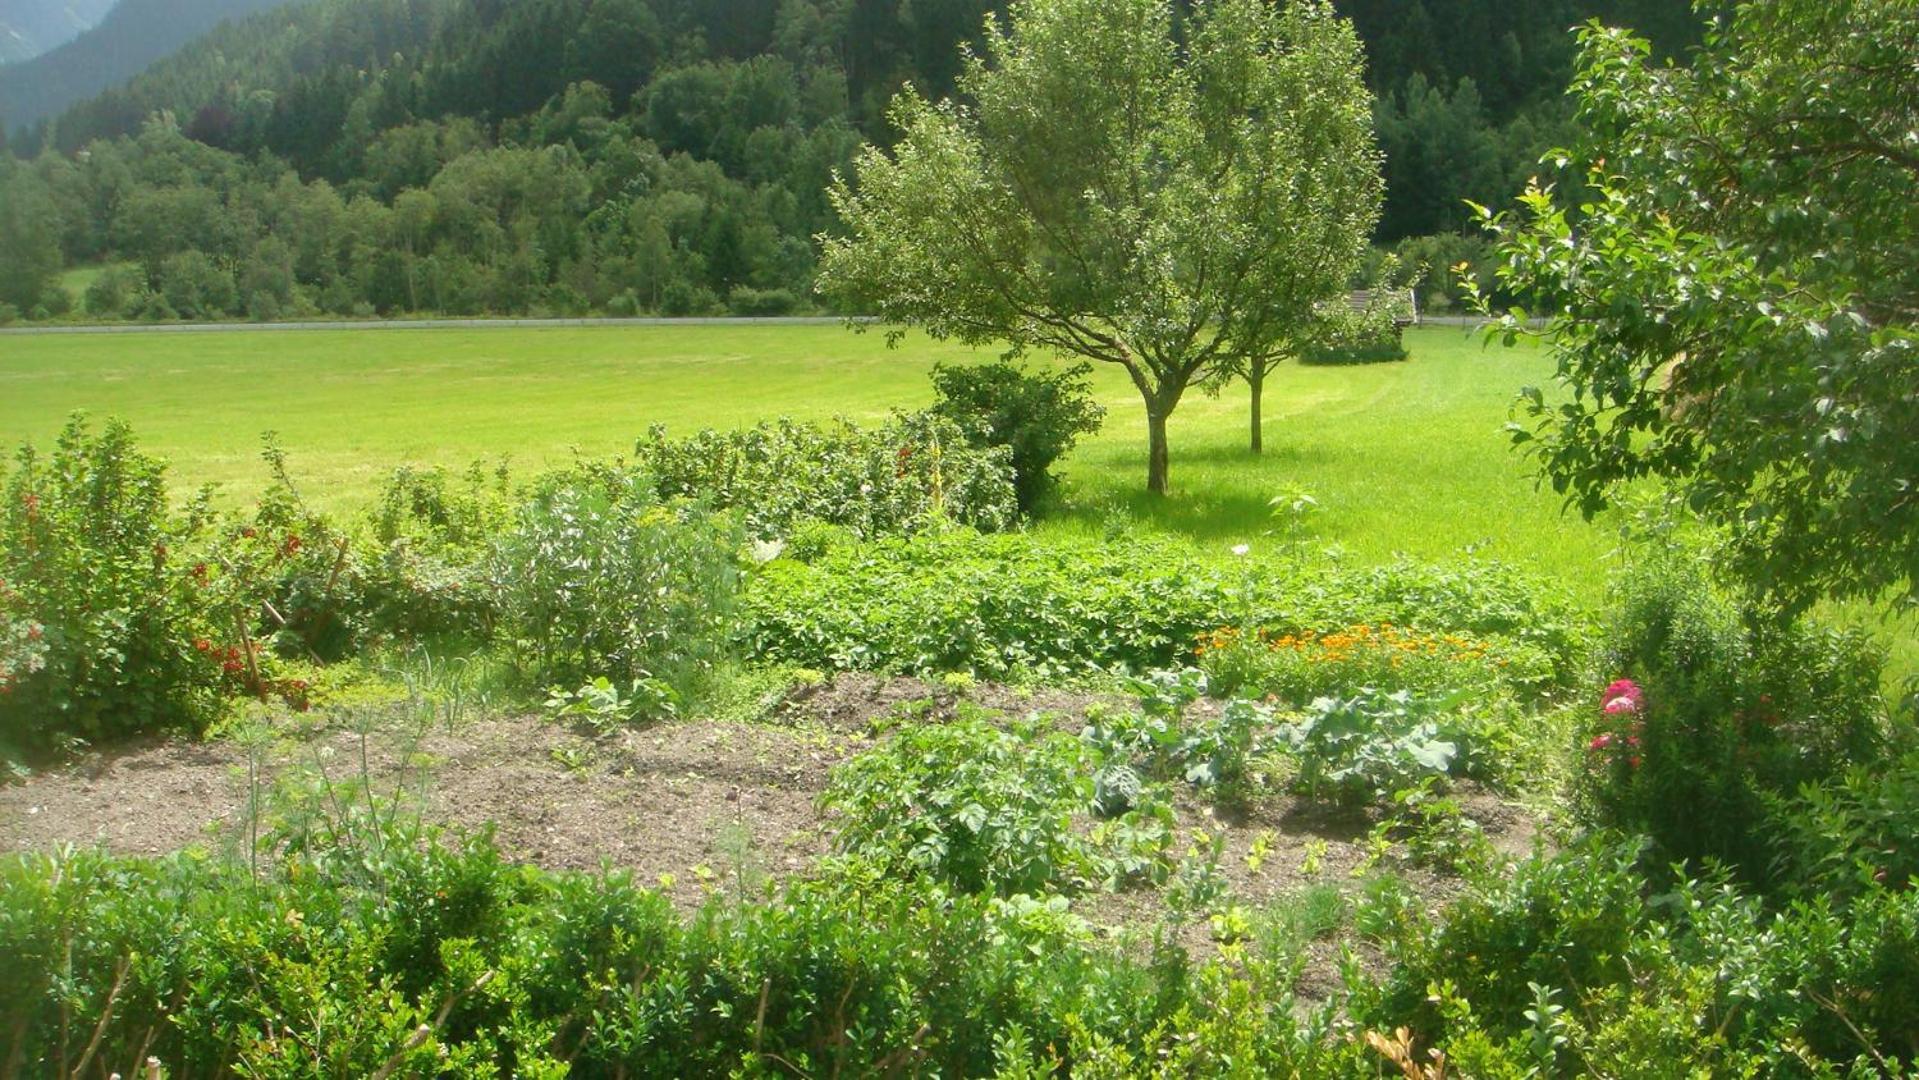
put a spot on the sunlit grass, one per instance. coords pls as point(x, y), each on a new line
point(1405, 457)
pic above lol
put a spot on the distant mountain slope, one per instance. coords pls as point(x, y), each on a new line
point(31, 27)
point(134, 34)
point(364, 157)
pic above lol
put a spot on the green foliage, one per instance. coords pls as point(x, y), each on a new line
point(423, 576)
point(1165, 202)
point(1168, 739)
point(104, 593)
point(916, 472)
point(1378, 348)
point(1299, 666)
point(1850, 834)
point(599, 578)
point(1439, 264)
point(1362, 749)
point(466, 964)
point(1731, 715)
point(113, 292)
point(1566, 965)
point(1038, 415)
point(603, 708)
point(972, 806)
point(1758, 356)
point(1020, 606)
point(995, 606)
point(29, 238)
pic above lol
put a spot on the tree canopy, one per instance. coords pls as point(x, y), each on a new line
point(704, 135)
point(1109, 184)
point(1732, 300)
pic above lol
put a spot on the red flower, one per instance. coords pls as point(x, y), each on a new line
point(201, 644)
point(1600, 742)
point(1621, 688)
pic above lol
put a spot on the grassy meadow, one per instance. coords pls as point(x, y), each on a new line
point(1402, 457)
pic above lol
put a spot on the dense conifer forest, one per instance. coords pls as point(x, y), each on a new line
point(374, 157)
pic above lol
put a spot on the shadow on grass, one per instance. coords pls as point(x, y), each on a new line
point(1238, 456)
point(1218, 516)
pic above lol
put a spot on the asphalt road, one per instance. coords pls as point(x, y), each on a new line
point(486, 324)
point(410, 324)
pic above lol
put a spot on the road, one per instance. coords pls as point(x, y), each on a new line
point(412, 324)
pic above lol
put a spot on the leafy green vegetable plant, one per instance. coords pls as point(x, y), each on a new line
point(1362, 749)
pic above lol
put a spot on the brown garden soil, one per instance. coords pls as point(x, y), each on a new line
point(695, 808)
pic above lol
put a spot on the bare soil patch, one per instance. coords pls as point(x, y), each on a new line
point(694, 808)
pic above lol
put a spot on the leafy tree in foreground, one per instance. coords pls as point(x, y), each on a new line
point(1734, 305)
point(1162, 198)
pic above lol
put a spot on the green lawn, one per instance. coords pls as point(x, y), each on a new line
point(1402, 457)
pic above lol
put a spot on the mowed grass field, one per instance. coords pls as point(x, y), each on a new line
point(1405, 457)
point(1401, 457)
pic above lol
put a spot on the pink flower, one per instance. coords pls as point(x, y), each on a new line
point(1622, 688)
point(1600, 742)
point(1622, 705)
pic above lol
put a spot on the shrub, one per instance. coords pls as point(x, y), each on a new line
point(1038, 415)
point(111, 292)
point(1434, 261)
point(305, 567)
point(762, 303)
point(598, 577)
point(1371, 336)
point(1565, 922)
point(194, 287)
point(106, 595)
point(1850, 835)
point(1380, 350)
point(1567, 966)
point(971, 806)
point(466, 964)
point(913, 473)
point(1728, 712)
point(433, 533)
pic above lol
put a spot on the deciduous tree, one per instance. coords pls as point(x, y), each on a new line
point(1733, 305)
point(1114, 184)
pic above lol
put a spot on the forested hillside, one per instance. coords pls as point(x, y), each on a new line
point(134, 34)
point(469, 156)
point(31, 27)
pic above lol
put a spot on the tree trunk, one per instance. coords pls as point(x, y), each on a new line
point(1256, 378)
point(1155, 450)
